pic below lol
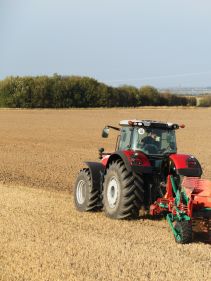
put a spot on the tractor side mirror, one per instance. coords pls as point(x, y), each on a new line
point(105, 132)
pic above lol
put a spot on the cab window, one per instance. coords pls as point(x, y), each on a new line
point(125, 136)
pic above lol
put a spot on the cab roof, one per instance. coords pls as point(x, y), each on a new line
point(148, 124)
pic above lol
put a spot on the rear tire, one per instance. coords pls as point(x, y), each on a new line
point(86, 198)
point(184, 230)
point(123, 192)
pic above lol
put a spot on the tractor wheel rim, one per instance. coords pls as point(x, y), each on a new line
point(80, 191)
point(113, 192)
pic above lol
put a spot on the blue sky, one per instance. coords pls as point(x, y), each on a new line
point(164, 43)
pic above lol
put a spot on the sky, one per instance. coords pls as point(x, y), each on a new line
point(163, 43)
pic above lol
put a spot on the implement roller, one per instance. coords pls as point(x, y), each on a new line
point(188, 208)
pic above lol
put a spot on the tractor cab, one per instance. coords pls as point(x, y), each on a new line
point(154, 139)
point(150, 137)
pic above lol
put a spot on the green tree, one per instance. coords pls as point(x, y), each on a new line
point(149, 95)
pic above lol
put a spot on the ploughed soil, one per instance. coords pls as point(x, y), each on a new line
point(43, 237)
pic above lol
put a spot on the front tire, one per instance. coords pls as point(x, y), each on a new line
point(86, 198)
point(123, 192)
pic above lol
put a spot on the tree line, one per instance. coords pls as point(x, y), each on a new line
point(72, 91)
point(204, 101)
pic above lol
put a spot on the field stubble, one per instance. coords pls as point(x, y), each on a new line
point(42, 237)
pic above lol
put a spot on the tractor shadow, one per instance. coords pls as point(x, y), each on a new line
point(146, 216)
point(201, 237)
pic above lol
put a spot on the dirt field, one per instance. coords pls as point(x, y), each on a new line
point(42, 237)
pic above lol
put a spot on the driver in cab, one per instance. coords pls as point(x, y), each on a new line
point(151, 139)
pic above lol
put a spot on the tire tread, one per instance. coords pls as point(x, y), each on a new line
point(132, 192)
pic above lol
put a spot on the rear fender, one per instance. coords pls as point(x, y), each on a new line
point(186, 165)
point(97, 174)
point(141, 166)
point(119, 155)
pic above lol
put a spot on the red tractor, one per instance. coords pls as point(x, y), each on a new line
point(146, 171)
